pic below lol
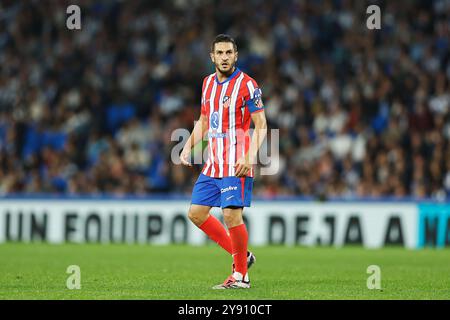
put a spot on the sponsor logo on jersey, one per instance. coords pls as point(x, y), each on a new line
point(217, 135)
point(214, 121)
point(230, 188)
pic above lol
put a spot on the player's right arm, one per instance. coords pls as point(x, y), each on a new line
point(196, 136)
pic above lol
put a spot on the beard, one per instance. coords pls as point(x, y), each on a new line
point(226, 70)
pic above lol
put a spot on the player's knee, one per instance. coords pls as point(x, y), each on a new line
point(192, 215)
point(197, 217)
point(232, 218)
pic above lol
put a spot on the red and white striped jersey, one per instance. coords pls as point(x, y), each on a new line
point(228, 106)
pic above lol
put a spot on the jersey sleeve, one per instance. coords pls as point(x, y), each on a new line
point(253, 96)
point(203, 109)
point(202, 102)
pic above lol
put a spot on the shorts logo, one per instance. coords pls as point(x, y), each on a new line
point(230, 188)
point(214, 122)
point(257, 100)
point(226, 101)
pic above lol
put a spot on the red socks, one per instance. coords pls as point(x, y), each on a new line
point(236, 243)
point(239, 241)
point(216, 231)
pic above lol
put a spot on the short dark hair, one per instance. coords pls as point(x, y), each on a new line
point(223, 38)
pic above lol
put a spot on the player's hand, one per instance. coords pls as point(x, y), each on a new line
point(242, 167)
point(184, 157)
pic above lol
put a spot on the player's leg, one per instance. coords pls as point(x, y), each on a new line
point(200, 216)
point(235, 195)
point(239, 239)
point(206, 195)
point(210, 225)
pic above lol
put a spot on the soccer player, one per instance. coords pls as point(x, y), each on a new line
point(230, 100)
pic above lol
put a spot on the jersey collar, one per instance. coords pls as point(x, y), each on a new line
point(229, 78)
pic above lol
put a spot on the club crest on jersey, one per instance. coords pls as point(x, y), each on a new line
point(214, 121)
point(226, 101)
point(257, 98)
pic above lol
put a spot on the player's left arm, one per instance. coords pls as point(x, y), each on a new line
point(243, 165)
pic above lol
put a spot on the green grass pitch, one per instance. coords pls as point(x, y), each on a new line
point(38, 271)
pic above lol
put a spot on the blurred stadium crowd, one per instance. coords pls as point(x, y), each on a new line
point(361, 113)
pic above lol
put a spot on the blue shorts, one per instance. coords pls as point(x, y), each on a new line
point(222, 192)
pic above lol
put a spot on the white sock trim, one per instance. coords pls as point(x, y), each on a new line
point(237, 275)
